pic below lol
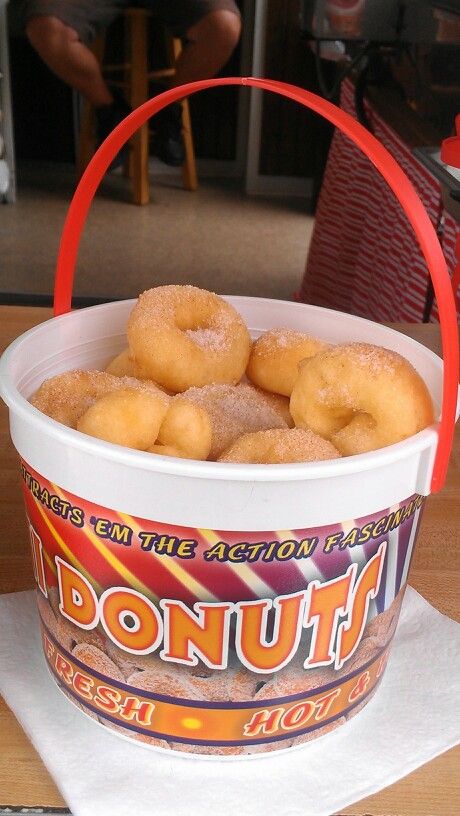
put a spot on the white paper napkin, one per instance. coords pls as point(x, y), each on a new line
point(413, 717)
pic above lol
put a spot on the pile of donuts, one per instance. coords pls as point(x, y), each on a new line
point(192, 384)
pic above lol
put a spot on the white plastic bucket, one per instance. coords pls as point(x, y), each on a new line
point(216, 608)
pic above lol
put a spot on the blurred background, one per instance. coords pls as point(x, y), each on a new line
point(283, 207)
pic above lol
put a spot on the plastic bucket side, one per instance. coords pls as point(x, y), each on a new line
point(130, 550)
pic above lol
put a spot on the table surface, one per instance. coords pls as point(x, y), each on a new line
point(433, 790)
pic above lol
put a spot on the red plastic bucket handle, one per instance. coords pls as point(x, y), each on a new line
point(374, 150)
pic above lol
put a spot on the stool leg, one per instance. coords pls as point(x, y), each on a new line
point(189, 174)
point(87, 140)
point(138, 93)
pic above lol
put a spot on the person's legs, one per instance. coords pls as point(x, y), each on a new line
point(210, 30)
point(60, 31)
point(208, 45)
point(68, 57)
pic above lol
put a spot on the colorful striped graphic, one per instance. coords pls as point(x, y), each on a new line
point(106, 560)
point(218, 638)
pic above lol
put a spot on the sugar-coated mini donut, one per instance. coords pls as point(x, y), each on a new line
point(67, 396)
point(182, 336)
point(361, 397)
point(233, 411)
point(129, 416)
point(277, 447)
point(275, 356)
point(186, 427)
point(121, 365)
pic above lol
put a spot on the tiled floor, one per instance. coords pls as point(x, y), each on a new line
point(215, 238)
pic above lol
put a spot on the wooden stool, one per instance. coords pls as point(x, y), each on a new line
point(135, 82)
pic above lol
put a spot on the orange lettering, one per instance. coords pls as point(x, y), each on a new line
point(82, 685)
point(37, 558)
point(48, 647)
point(251, 643)
point(349, 632)
point(133, 708)
point(327, 601)
point(107, 699)
point(203, 634)
point(323, 704)
point(63, 669)
point(265, 722)
point(131, 620)
point(298, 715)
point(78, 601)
point(360, 687)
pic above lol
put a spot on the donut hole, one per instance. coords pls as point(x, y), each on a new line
point(205, 330)
point(339, 418)
point(200, 325)
point(182, 337)
point(357, 436)
point(187, 319)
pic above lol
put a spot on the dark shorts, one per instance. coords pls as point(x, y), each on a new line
point(88, 17)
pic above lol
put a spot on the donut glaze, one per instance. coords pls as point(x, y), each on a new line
point(233, 411)
point(275, 357)
point(181, 336)
point(67, 396)
point(361, 397)
point(276, 447)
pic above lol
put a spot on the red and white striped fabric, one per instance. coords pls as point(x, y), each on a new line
point(364, 258)
point(450, 243)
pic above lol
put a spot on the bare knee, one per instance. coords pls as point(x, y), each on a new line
point(227, 27)
point(47, 32)
point(223, 27)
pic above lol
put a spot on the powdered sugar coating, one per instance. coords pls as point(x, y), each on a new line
point(361, 397)
point(275, 357)
point(182, 336)
point(233, 411)
point(276, 447)
point(66, 397)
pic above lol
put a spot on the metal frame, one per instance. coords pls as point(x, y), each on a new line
point(6, 122)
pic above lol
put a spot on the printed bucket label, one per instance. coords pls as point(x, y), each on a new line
point(214, 641)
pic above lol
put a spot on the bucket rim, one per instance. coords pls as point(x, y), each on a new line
point(226, 471)
point(234, 300)
point(172, 466)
